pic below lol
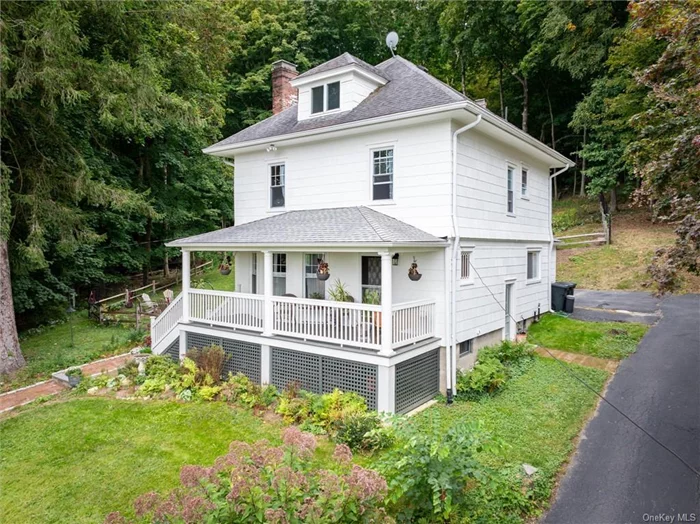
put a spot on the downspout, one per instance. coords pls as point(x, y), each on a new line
point(551, 237)
point(451, 276)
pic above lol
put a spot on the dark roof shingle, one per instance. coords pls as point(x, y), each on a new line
point(317, 226)
point(409, 88)
point(341, 61)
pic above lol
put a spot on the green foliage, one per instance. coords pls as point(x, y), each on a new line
point(209, 361)
point(488, 375)
point(365, 432)
point(241, 390)
point(508, 351)
point(612, 340)
point(428, 473)
point(339, 292)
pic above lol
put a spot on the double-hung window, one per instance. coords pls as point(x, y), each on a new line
point(277, 185)
point(325, 97)
point(533, 265)
point(383, 174)
point(279, 273)
point(254, 273)
point(313, 287)
point(523, 182)
point(510, 199)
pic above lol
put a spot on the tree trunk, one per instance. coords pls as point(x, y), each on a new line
point(556, 189)
point(11, 358)
point(583, 166)
point(613, 200)
point(575, 178)
point(147, 263)
point(526, 103)
point(551, 120)
point(500, 90)
point(605, 217)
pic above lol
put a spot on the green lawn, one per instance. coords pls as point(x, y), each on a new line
point(613, 340)
point(48, 349)
point(77, 461)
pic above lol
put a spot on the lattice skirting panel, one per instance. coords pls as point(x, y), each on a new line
point(173, 350)
point(320, 374)
point(417, 381)
point(241, 357)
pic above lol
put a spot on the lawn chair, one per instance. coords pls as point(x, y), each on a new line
point(148, 305)
point(168, 295)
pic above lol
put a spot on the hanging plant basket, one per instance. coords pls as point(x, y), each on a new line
point(224, 271)
point(413, 273)
point(324, 272)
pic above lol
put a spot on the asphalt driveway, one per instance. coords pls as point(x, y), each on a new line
point(618, 306)
point(618, 474)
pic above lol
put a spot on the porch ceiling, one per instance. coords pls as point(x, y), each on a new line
point(344, 227)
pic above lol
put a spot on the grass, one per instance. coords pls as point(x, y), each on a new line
point(48, 349)
point(621, 265)
point(79, 460)
point(537, 414)
point(612, 340)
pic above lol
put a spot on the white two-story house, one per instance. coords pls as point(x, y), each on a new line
point(360, 171)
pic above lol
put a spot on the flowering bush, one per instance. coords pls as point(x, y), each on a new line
point(264, 483)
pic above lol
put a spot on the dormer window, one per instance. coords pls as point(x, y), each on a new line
point(325, 97)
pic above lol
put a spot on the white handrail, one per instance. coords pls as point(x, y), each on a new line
point(224, 308)
point(413, 322)
point(329, 303)
point(166, 321)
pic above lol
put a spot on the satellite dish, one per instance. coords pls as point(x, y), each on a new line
point(392, 40)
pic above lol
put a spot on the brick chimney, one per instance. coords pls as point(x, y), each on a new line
point(283, 94)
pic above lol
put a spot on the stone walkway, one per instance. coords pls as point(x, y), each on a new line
point(19, 397)
point(581, 360)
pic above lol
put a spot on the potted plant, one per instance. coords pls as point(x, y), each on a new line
point(413, 273)
point(316, 296)
point(339, 292)
point(225, 266)
point(372, 296)
point(75, 375)
point(323, 271)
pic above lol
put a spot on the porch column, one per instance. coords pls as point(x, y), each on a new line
point(387, 329)
point(185, 286)
point(267, 289)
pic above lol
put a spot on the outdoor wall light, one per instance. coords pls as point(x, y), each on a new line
point(395, 259)
point(271, 147)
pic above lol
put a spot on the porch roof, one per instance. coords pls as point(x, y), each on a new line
point(342, 226)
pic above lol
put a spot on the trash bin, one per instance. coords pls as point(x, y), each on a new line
point(560, 290)
point(569, 304)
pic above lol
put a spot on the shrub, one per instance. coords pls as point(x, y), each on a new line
point(428, 474)
point(331, 407)
point(508, 351)
point(488, 375)
point(161, 366)
point(364, 431)
point(209, 360)
point(261, 483)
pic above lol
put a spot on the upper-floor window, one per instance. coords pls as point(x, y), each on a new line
point(511, 203)
point(533, 265)
point(325, 97)
point(383, 174)
point(523, 182)
point(277, 185)
point(279, 274)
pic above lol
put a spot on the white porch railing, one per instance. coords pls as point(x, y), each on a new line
point(344, 323)
point(224, 308)
point(327, 321)
point(166, 321)
point(412, 321)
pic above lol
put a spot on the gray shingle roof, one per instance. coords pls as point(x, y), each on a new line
point(409, 88)
point(355, 225)
point(341, 61)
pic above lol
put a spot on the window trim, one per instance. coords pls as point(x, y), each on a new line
point(524, 186)
point(469, 280)
point(510, 169)
point(538, 265)
point(373, 150)
point(270, 165)
point(469, 350)
point(325, 110)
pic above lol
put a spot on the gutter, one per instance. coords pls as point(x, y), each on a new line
point(451, 276)
point(551, 235)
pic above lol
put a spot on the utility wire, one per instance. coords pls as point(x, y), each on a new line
point(588, 386)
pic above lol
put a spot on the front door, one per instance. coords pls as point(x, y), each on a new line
point(509, 301)
point(371, 275)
